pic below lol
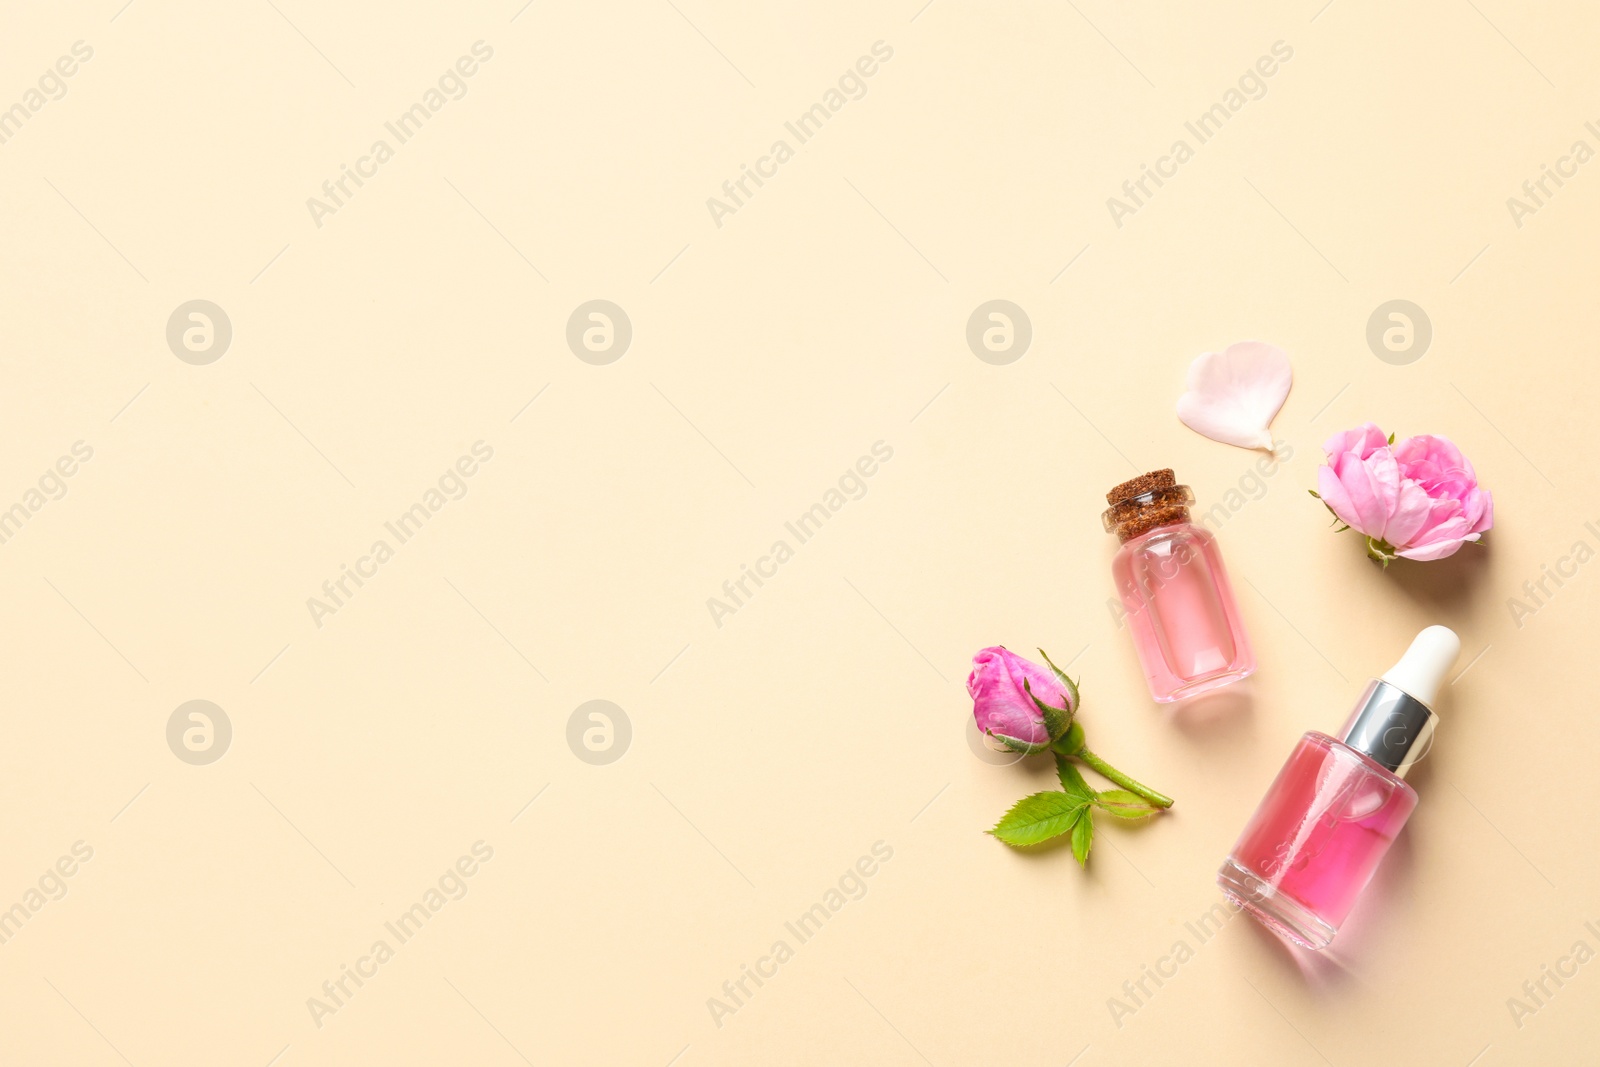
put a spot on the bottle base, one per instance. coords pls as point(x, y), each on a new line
point(1273, 909)
point(1205, 685)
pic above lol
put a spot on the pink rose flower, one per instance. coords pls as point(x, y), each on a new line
point(1003, 708)
point(1418, 499)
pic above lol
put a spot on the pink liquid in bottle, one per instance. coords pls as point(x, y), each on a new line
point(1315, 841)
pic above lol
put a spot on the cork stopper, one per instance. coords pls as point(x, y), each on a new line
point(1145, 483)
point(1143, 503)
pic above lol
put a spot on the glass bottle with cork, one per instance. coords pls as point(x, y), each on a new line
point(1174, 588)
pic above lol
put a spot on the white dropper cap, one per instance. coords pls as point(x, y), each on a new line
point(1426, 662)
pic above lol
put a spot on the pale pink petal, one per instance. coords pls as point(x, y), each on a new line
point(1486, 519)
point(1372, 487)
point(1334, 494)
point(1363, 441)
point(1437, 550)
point(1413, 513)
point(1234, 394)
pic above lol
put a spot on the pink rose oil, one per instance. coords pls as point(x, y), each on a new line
point(1329, 817)
point(1174, 590)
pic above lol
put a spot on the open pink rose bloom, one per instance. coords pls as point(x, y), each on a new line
point(1418, 499)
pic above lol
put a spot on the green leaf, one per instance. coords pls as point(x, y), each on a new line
point(1072, 782)
point(1391, 439)
point(1066, 683)
point(1039, 817)
point(1083, 837)
point(1314, 493)
point(1056, 719)
point(1124, 804)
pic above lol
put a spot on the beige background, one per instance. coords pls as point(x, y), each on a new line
point(768, 354)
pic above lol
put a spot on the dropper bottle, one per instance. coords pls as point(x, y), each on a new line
point(1330, 816)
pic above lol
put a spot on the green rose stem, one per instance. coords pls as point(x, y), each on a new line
point(1071, 744)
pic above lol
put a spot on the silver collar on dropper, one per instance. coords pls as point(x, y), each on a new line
point(1390, 726)
point(1392, 723)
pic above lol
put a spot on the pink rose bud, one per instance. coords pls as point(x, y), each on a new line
point(1004, 708)
point(1418, 499)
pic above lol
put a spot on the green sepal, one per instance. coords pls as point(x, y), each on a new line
point(1066, 683)
point(1039, 817)
point(1016, 744)
point(1056, 720)
point(1381, 551)
point(1337, 521)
